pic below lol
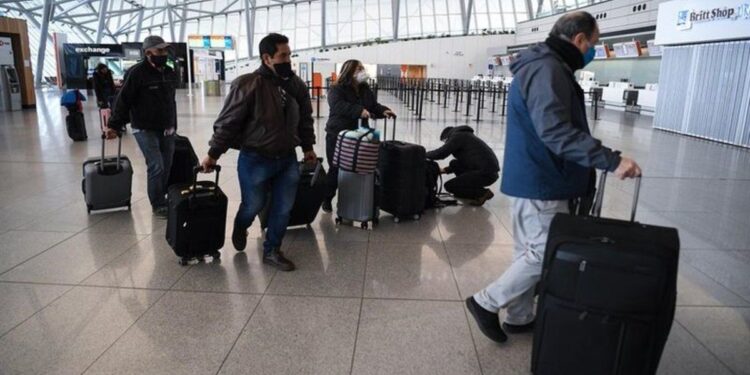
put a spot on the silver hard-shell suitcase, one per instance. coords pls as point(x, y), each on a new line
point(356, 198)
point(107, 181)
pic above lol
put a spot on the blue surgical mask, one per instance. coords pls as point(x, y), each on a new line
point(589, 56)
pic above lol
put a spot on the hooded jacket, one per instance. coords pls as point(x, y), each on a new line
point(265, 114)
point(549, 150)
point(470, 152)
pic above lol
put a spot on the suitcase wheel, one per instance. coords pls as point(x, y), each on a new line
point(375, 221)
point(216, 255)
point(416, 217)
point(88, 208)
point(396, 219)
point(338, 220)
point(129, 208)
point(184, 261)
point(364, 225)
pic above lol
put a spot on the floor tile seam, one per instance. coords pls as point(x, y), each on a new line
point(361, 306)
point(122, 253)
point(163, 293)
point(716, 357)
point(466, 316)
point(242, 330)
point(111, 345)
point(710, 277)
point(71, 287)
point(43, 251)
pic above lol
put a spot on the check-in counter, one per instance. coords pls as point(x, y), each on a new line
point(614, 93)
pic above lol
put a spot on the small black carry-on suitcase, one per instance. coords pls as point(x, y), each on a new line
point(107, 180)
point(183, 162)
point(197, 217)
point(607, 295)
point(402, 173)
point(76, 126)
point(311, 191)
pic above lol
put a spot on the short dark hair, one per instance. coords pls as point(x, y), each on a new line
point(569, 25)
point(269, 44)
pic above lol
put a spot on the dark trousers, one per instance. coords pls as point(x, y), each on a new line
point(158, 149)
point(470, 184)
point(333, 172)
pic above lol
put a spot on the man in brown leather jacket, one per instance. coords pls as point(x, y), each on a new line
point(266, 115)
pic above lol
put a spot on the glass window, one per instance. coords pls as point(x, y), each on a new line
point(220, 25)
point(510, 22)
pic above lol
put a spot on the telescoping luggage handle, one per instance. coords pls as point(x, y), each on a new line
point(385, 129)
point(196, 170)
point(597, 209)
point(119, 150)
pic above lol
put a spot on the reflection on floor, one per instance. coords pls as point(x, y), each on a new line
point(104, 293)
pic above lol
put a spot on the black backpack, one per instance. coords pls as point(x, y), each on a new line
point(434, 182)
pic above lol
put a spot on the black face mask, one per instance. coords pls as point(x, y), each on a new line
point(284, 70)
point(159, 61)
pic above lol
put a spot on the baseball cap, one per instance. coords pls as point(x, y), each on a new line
point(154, 41)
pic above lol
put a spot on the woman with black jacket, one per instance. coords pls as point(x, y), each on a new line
point(349, 99)
point(104, 86)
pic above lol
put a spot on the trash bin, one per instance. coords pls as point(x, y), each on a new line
point(212, 88)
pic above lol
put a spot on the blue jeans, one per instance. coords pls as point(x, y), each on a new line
point(158, 149)
point(258, 176)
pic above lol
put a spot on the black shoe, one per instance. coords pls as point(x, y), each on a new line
point(276, 258)
point(516, 329)
point(327, 205)
point(239, 238)
point(484, 198)
point(161, 212)
point(487, 321)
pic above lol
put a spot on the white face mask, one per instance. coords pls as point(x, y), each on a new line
point(361, 76)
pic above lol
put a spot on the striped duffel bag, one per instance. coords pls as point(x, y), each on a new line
point(357, 151)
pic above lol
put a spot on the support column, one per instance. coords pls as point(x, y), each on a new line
point(137, 37)
point(323, 23)
point(44, 33)
point(250, 24)
point(103, 5)
point(170, 19)
point(183, 26)
point(395, 9)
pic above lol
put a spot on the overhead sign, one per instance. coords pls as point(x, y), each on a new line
point(696, 21)
point(223, 42)
point(88, 50)
point(653, 49)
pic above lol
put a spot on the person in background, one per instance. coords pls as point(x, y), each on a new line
point(147, 100)
point(349, 99)
point(549, 156)
point(266, 115)
point(475, 164)
point(104, 86)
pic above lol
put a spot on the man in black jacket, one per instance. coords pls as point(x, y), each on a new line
point(475, 164)
point(266, 115)
point(147, 101)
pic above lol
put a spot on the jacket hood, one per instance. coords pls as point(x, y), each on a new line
point(534, 52)
point(451, 131)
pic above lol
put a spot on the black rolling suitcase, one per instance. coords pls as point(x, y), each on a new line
point(183, 162)
point(402, 173)
point(196, 221)
point(76, 126)
point(607, 295)
point(311, 192)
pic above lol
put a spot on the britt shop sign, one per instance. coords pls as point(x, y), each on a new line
point(696, 21)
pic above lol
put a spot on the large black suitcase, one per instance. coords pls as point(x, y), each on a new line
point(183, 162)
point(76, 126)
point(311, 191)
point(402, 173)
point(196, 222)
point(607, 295)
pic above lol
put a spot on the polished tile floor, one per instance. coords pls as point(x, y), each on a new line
point(104, 294)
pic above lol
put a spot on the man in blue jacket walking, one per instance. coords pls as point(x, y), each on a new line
point(549, 156)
